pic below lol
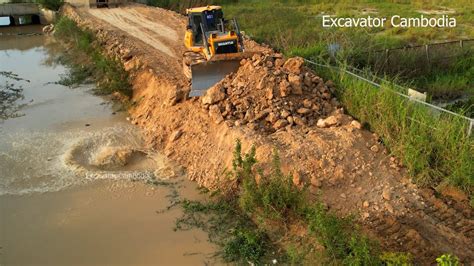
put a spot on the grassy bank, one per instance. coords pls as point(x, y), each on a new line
point(265, 219)
point(434, 147)
point(252, 216)
point(87, 61)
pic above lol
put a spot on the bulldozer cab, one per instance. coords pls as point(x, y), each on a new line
point(209, 17)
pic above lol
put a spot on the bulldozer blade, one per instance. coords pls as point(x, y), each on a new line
point(206, 75)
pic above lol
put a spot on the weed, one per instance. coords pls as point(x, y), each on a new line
point(245, 244)
point(447, 260)
point(339, 238)
point(230, 221)
point(86, 61)
point(240, 239)
point(275, 193)
point(294, 255)
point(396, 259)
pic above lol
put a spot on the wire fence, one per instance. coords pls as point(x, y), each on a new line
point(372, 81)
point(416, 60)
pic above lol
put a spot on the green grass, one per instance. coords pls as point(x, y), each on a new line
point(88, 62)
point(435, 148)
point(295, 27)
point(258, 231)
point(251, 224)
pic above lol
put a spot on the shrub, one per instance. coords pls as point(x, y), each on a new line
point(275, 193)
point(247, 245)
point(339, 238)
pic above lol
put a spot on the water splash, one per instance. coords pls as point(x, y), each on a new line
point(52, 161)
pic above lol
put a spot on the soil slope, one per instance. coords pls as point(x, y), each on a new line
point(353, 171)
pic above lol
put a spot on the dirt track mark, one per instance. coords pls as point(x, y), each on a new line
point(150, 32)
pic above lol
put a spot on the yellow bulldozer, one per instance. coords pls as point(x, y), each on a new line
point(214, 47)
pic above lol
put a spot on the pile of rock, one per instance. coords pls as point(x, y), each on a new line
point(269, 93)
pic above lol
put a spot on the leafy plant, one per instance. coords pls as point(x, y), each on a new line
point(245, 244)
point(275, 193)
point(447, 260)
point(339, 238)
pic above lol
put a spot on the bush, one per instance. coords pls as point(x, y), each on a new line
point(246, 245)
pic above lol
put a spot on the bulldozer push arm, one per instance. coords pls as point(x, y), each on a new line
point(213, 51)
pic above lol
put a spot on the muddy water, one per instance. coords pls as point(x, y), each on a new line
point(73, 176)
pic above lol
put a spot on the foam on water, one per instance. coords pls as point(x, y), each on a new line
point(51, 161)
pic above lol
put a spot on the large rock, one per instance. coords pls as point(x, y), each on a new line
point(303, 111)
point(285, 88)
point(356, 124)
point(215, 114)
point(272, 117)
point(296, 84)
point(214, 94)
point(280, 123)
point(299, 121)
point(328, 122)
point(307, 103)
point(279, 62)
point(293, 65)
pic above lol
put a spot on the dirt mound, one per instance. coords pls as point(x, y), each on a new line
point(269, 93)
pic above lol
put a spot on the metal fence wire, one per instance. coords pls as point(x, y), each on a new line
point(436, 109)
point(420, 57)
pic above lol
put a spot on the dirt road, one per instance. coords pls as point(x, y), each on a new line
point(353, 171)
point(149, 30)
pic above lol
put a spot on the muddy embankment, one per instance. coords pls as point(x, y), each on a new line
point(273, 102)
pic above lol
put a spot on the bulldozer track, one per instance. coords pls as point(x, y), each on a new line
point(425, 230)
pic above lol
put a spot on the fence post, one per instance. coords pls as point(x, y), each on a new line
point(470, 128)
point(461, 43)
